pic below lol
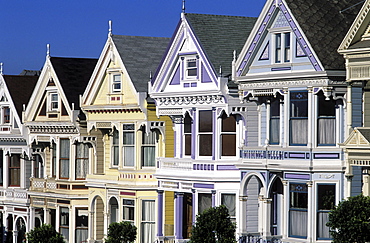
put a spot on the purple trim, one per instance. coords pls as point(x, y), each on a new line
point(193, 133)
point(187, 53)
point(202, 185)
point(242, 175)
point(205, 76)
point(194, 206)
point(179, 214)
point(176, 78)
point(186, 85)
point(297, 155)
point(203, 167)
point(160, 213)
point(263, 175)
point(297, 176)
point(326, 156)
point(214, 120)
point(193, 84)
point(226, 167)
point(281, 69)
point(316, 90)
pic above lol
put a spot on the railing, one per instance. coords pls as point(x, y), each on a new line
point(256, 238)
point(14, 193)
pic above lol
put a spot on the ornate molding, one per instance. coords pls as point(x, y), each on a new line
point(191, 100)
point(67, 129)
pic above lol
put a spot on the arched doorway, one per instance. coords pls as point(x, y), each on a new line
point(113, 210)
point(98, 226)
point(276, 195)
point(21, 230)
point(252, 206)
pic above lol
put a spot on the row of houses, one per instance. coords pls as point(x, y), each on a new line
point(267, 116)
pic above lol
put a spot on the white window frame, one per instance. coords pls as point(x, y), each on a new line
point(126, 208)
point(115, 82)
point(202, 133)
point(115, 148)
point(50, 101)
point(154, 134)
point(132, 145)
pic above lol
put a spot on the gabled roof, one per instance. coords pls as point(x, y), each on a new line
point(20, 88)
point(359, 137)
point(73, 75)
point(220, 35)
point(140, 55)
point(325, 23)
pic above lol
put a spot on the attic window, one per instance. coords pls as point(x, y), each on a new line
point(116, 82)
point(53, 101)
point(6, 115)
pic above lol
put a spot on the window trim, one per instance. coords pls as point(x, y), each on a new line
point(132, 145)
point(87, 147)
point(64, 158)
point(153, 134)
point(129, 207)
point(10, 168)
point(115, 82)
point(50, 101)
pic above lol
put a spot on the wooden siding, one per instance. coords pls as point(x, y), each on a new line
point(356, 106)
point(252, 125)
point(366, 106)
point(356, 186)
point(263, 124)
point(252, 205)
point(169, 213)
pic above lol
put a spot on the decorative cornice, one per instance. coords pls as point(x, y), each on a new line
point(52, 129)
point(133, 110)
point(12, 140)
point(191, 100)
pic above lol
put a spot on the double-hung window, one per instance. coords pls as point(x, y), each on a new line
point(14, 170)
point(282, 47)
point(6, 115)
point(82, 160)
point(205, 132)
point(148, 148)
point(81, 229)
point(54, 160)
point(274, 121)
point(129, 144)
point(229, 200)
point(53, 101)
point(298, 117)
point(187, 133)
point(325, 203)
point(116, 83)
point(38, 171)
point(64, 158)
point(64, 222)
point(148, 221)
point(326, 121)
point(228, 135)
point(298, 210)
point(204, 201)
point(129, 210)
point(191, 68)
point(115, 148)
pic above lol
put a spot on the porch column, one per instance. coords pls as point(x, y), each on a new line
point(285, 227)
point(179, 214)
point(46, 216)
point(106, 222)
point(193, 191)
point(348, 177)
point(266, 214)
point(243, 219)
point(213, 198)
point(310, 221)
point(366, 182)
point(31, 219)
point(160, 213)
point(90, 229)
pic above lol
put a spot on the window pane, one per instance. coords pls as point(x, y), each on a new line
point(64, 148)
point(229, 201)
point(148, 221)
point(205, 144)
point(228, 124)
point(204, 201)
point(326, 107)
point(148, 156)
point(128, 138)
point(299, 104)
point(187, 144)
point(205, 121)
point(298, 131)
point(129, 155)
point(187, 123)
point(228, 144)
point(128, 210)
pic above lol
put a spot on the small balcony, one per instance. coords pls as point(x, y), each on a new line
point(13, 194)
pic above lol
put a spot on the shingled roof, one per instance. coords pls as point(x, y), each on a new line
point(325, 23)
point(140, 55)
point(20, 88)
point(220, 35)
point(73, 74)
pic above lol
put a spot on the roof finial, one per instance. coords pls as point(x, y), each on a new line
point(220, 70)
point(1, 68)
point(234, 55)
point(48, 50)
point(110, 28)
point(183, 6)
point(150, 76)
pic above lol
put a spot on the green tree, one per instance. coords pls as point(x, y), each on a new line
point(350, 220)
point(44, 234)
point(213, 225)
point(123, 232)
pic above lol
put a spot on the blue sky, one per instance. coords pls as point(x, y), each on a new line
point(79, 28)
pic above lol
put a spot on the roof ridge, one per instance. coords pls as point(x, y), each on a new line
point(139, 36)
point(85, 58)
point(222, 15)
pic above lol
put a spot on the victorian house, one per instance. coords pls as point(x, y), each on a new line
point(290, 68)
point(61, 152)
point(15, 166)
point(192, 87)
point(129, 136)
point(355, 49)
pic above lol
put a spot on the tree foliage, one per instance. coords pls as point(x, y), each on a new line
point(44, 234)
point(350, 220)
point(123, 232)
point(213, 226)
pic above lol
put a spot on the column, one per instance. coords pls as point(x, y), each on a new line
point(160, 213)
point(214, 136)
point(266, 231)
point(106, 222)
point(213, 198)
point(366, 182)
point(285, 226)
point(90, 231)
point(31, 219)
point(310, 222)
point(242, 218)
point(179, 197)
point(194, 216)
point(348, 177)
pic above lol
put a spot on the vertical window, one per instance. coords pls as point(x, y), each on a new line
point(1, 167)
point(54, 160)
point(187, 133)
point(6, 115)
point(298, 117)
point(191, 68)
point(148, 148)
point(116, 83)
point(228, 135)
point(275, 121)
point(14, 170)
point(81, 229)
point(129, 210)
point(204, 201)
point(298, 210)
point(148, 221)
point(129, 144)
point(229, 201)
point(205, 134)
point(287, 47)
point(64, 223)
point(115, 148)
point(38, 171)
point(64, 159)
point(82, 160)
point(326, 121)
point(325, 203)
point(54, 104)
point(278, 48)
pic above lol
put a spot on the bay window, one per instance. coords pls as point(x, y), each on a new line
point(64, 158)
point(14, 170)
point(1, 167)
point(64, 223)
point(129, 144)
point(38, 171)
point(129, 210)
point(205, 133)
point(148, 148)
point(204, 201)
point(148, 221)
point(82, 160)
point(298, 210)
point(115, 148)
point(325, 203)
point(228, 135)
point(54, 160)
point(325, 121)
point(298, 117)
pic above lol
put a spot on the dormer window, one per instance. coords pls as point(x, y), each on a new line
point(282, 47)
point(116, 83)
point(191, 68)
point(53, 102)
point(6, 115)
